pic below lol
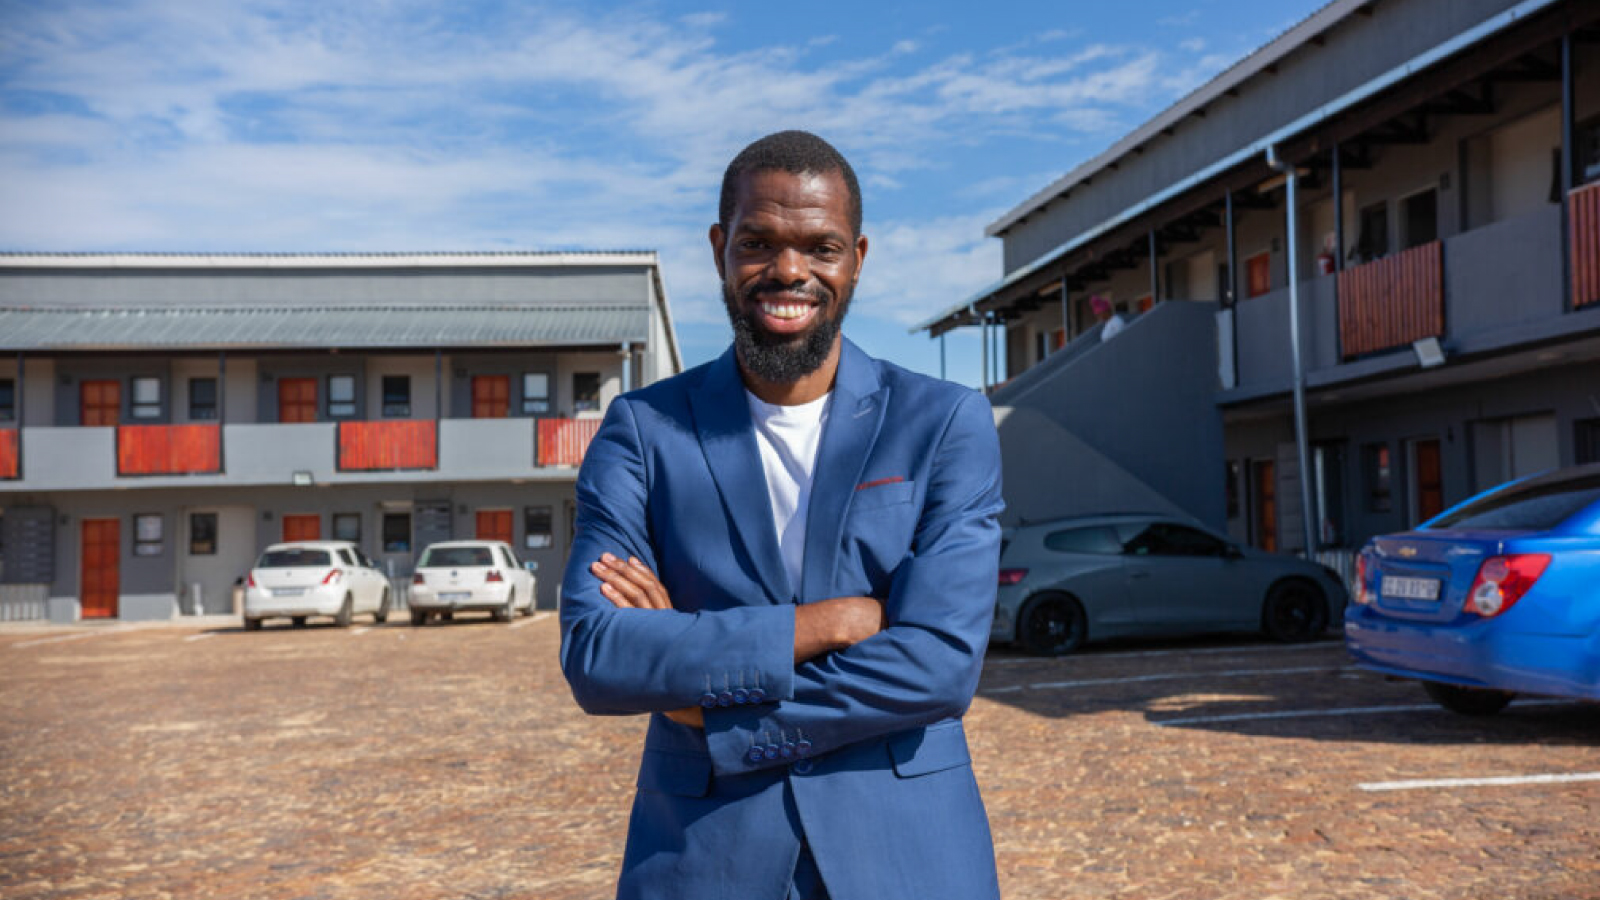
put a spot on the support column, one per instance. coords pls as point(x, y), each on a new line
point(21, 391)
point(222, 410)
point(438, 399)
point(1155, 272)
point(1230, 299)
point(1066, 312)
point(983, 338)
point(1309, 515)
point(1338, 245)
point(627, 367)
point(942, 375)
point(1568, 135)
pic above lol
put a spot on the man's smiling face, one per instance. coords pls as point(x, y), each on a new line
point(789, 259)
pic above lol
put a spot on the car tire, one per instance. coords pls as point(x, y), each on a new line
point(252, 624)
point(509, 611)
point(346, 612)
point(298, 621)
point(1052, 625)
point(1467, 701)
point(1294, 611)
point(418, 618)
point(382, 615)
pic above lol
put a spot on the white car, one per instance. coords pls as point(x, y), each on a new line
point(452, 576)
point(300, 579)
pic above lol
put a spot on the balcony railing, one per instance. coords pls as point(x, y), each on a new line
point(169, 449)
point(1393, 301)
point(10, 457)
point(388, 446)
point(562, 442)
point(1583, 207)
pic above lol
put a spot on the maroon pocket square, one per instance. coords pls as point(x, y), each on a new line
point(896, 479)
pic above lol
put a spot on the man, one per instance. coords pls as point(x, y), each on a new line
point(1104, 313)
point(788, 556)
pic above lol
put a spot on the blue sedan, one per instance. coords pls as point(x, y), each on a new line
point(1496, 597)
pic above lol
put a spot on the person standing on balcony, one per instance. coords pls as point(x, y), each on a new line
point(788, 558)
point(1111, 322)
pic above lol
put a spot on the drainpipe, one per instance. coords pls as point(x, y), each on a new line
point(983, 338)
point(1308, 514)
point(627, 366)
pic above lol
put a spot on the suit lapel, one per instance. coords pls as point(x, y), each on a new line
point(854, 418)
point(727, 437)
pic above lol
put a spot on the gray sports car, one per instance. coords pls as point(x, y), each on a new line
point(1069, 581)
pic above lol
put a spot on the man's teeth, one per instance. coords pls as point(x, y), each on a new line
point(785, 310)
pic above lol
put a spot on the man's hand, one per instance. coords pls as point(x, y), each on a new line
point(629, 585)
point(835, 624)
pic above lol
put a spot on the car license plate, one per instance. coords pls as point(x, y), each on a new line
point(456, 595)
point(288, 592)
point(1404, 588)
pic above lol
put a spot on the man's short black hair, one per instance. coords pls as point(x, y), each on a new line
point(789, 151)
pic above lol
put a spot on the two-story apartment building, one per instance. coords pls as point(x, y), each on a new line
point(165, 417)
point(1368, 252)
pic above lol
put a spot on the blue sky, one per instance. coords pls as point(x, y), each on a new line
point(161, 125)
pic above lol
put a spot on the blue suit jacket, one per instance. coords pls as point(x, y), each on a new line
point(868, 740)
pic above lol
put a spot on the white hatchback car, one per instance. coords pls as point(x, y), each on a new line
point(300, 579)
point(452, 576)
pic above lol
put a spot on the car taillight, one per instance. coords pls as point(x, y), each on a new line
point(1363, 593)
point(333, 576)
point(1012, 576)
point(418, 579)
point(250, 580)
point(1502, 580)
point(494, 576)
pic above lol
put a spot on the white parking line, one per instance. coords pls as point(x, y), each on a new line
point(1164, 676)
point(1495, 781)
point(1250, 648)
point(202, 636)
point(362, 630)
point(536, 617)
point(70, 637)
point(1340, 711)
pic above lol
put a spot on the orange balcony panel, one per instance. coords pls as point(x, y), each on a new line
point(385, 446)
point(10, 458)
point(169, 449)
point(562, 442)
point(1393, 301)
point(1583, 210)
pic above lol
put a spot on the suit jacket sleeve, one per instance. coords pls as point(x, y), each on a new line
point(924, 667)
point(622, 661)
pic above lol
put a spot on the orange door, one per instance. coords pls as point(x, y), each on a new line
point(491, 396)
point(494, 525)
point(297, 400)
point(302, 528)
point(98, 582)
point(1266, 506)
point(99, 403)
point(1430, 480)
point(1258, 274)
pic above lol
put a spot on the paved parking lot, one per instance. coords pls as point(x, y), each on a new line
point(448, 761)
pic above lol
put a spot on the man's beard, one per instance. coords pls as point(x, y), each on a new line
point(783, 358)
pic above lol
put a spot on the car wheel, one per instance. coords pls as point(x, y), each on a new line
point(346, 612)
point(1294, 611)
point(382, 615)
point(1052, 625)
point(252, 624)
point(1467, 701)
point(507, 612)
point(298, 621)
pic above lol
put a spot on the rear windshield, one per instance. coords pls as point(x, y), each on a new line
point(1096, 539)
point(293, 558)
point(1528, 507)
point(456, 556)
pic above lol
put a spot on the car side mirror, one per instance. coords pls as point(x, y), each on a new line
point(531, 566)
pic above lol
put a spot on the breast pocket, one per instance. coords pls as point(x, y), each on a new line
point(879, 528)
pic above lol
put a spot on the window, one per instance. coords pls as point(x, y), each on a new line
point(509, 560)
point(1327, 468)
point(443, 557)
point(1097, 539)
point(8, 400)
point(1231, 482)
point(347, 527)
point(1539, 504)
point(586, 391)
point(202, 398)
point(397, 396)
point(1586, 441)
point(147, 534)
point(536, 532)
point(1166, 539)
point(203, 534)
point(293, 558)
point(535, 393)
point(1586, 149)
point(346, 558)
point(397, 532)
point(341, 396)
point(1379, 473)
point(1419, 219)
point(146, 398)
point(1372, 240)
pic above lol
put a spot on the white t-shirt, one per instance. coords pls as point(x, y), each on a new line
point(788, 437)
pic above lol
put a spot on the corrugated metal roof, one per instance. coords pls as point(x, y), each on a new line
point(277, 328)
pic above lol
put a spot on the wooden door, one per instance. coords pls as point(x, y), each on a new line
point(491, 396)
point(1427, 499)
point(1264, 503)
point(495, 525)
point(1258, 274)
point(297, 400)
point(302, 527)
point(99, 403)
point(99, 581)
